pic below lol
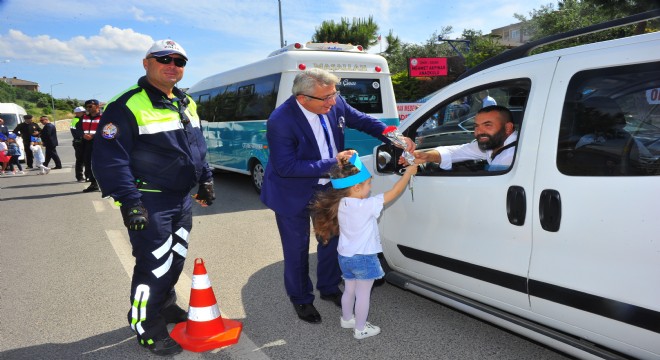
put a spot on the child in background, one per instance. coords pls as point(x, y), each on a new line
point(347, 210)
point(14, 151)
point(4, 158)
point(37, 151)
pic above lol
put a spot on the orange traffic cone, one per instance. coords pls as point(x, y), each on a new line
point(205, 329)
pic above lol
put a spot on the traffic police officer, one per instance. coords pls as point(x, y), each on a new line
point(148, 156)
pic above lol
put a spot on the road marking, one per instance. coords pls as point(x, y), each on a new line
point(245, 349)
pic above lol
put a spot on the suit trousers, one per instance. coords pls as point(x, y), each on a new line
point(294, 234)
point(51, 153)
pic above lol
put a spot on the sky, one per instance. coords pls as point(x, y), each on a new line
point(94, 49)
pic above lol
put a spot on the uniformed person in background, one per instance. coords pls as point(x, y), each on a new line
point(77, 134)
point(89, 125)
point(149, 155)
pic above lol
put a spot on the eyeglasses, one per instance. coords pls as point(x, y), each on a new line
point(90, 106)
point(325, 99)
point(168, 60)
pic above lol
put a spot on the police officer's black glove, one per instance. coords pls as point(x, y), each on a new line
point(135, 217)
point(205, 194)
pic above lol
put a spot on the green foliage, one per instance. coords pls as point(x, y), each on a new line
point(482, 47)
point(575, 14)
point(359, 32)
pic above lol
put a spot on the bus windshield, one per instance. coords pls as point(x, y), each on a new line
point(362, 94)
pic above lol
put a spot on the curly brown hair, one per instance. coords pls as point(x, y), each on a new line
point(325, 206)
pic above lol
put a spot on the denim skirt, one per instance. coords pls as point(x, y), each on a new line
point(361, 267)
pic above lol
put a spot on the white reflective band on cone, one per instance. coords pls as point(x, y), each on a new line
point(207, 313)
point(183, 233)
point(201, 282)
point(158, 253)
point(161, 270)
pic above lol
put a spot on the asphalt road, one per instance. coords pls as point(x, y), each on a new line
point(65, 265)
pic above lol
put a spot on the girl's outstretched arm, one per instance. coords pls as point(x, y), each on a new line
point(400, 185)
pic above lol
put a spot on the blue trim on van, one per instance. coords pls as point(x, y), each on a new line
point(616, 310)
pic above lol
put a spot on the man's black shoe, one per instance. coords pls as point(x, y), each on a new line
point(57, 167)
point(173, 314)
point(162, 347)
point(91, 188)
point(307, 312)
point(335, 298)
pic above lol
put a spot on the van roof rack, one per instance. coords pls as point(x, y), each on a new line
point(524, 50)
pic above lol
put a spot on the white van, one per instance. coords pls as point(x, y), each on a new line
point(12, 114)
point(563, 246)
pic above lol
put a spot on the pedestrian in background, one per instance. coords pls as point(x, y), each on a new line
point(3, 128)
point(14, 151)
point(148, 157)
point(88, 125)
point(77, 134)
point(49, 139)
point(4, 158)
point(27, 129)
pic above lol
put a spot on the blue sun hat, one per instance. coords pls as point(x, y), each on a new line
point(342, 183)
point(35, 139)
point(12, 136)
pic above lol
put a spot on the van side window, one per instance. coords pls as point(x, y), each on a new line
point(451, 126)
point(610, 123)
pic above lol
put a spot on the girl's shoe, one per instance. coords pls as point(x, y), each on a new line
point(350, 324)
point(369, 330)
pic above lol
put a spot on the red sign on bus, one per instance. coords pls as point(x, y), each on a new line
point(422, 67)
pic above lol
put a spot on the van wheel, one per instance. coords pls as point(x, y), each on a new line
point(257, 173)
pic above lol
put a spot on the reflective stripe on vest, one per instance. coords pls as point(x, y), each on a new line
point(153, 121)
point(89, 125)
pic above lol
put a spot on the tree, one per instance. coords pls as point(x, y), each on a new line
point(575, 14)
point(359, 32)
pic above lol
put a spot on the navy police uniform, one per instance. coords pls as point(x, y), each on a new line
point(149, 153)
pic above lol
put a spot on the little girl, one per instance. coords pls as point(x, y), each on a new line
point(37, 151)
point(347, 210)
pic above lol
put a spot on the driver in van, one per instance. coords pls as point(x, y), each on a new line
point(496, 139)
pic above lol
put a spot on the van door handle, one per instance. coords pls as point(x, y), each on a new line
point(550, 210)
point(516, 205)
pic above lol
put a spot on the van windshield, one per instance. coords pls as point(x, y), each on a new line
point(11, 120)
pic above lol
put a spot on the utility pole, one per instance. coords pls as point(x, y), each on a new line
point(279, 3)
point(52, 99)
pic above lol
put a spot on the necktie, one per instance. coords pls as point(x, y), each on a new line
point(327, 135)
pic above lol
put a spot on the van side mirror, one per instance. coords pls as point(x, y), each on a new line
point(386, 158)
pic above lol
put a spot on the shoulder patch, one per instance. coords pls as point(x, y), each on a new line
point(109, 131)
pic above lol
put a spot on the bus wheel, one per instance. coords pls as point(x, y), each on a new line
point(257, 173)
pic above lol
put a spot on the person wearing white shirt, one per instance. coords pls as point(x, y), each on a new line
point(496, 139)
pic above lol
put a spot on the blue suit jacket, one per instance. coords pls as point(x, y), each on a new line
point(295, 164)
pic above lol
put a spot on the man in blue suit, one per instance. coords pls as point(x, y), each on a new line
point(306, 138)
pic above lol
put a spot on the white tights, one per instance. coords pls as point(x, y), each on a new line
point(356, 294)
